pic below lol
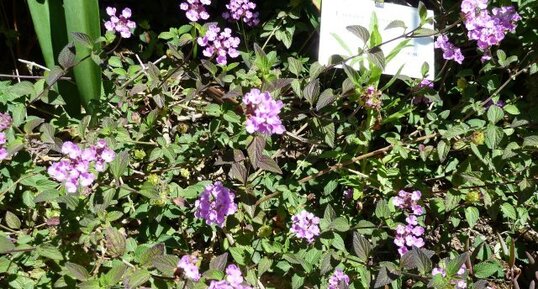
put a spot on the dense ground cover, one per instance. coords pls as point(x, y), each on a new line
point(199, 143)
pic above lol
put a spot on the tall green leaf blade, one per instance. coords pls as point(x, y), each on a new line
point(83, 16)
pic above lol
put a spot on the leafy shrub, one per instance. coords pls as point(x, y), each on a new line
point(222, 155)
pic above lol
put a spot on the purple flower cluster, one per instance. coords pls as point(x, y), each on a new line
point(195, 9)
point(215, 203)
point(242, 9)
point(234, 280)
point(189, 266)
point(75, 169)
point(219, 43)
point(450, 51)
point(411, 234)
point(371, 98)
point(337, 278)
point(305, 225)
point(460, 276)
point(425, 83)
point(121, 23)
point(262, 113)
point(5, 122)
point(488, 29)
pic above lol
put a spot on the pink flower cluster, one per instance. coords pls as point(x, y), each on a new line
point(242, 9)
point(189, 266)
point(75, 170)
point(460, 276)
point(215, 203)
point(337, 278)
point(371, 98)
point(262, 113)
point(121, 23)
point(234, 280)
point(488, 29)
point(450, 51)
point(411, 234)
point(5, 122)
point(195, 9)
point(305, 225)
point(219, 43)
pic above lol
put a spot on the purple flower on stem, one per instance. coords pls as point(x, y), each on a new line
point(305, 225)
point(234, 279)
point(75, 169)
point(338, 278)
point(215, 203)
point(190, 270)
point(219, 43)
point(121, 23)
point(450, 52)
point(488, 29)
point(195, 9)
point(242, 10)
point(262, 113)
point(411, 234)
point(5, 121)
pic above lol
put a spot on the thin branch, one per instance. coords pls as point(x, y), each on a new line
point(29, 76)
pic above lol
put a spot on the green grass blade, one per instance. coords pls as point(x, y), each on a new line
point(83, 16)
point(49, 23)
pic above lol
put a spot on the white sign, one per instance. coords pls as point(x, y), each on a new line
point(336, 15)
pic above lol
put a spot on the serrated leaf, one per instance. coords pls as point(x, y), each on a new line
point(361, 32)
point(54, 75)
point(295, 66)
point(486, 269)
point(495, 114)
point(330, 134)
point(255, 150)
point(329, 215)
point(509, 211)
point(327, 97)
point(12, 220)
point(239, 172)
point(49, 251)
point(166, 264)
point(455, 264)
point(137, 278)
point(361, 246)
point(147, 256)
point(376, 57)
point(120, 164)
point(83, 39)
point(6, 245)
point(67, 56)
point(311, 92)
point(530, 141)
point(326, 263)
point(219, 263)
point(472, 215)
point(115, 274)
point(384, 277)
point(442, 150)
point(423, 262)
point(267, 164)
point(494, 136)
point(340, 224)
point(396, 24)
point(264, 265)
point(115, 242)
point(77, 272)
point(297, 281)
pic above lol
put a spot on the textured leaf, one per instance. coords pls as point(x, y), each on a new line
point(396, 24)
point(67, 56)
point(167, 264)
point(455, 264)
point(267, 164)
point(50, 252)
point(255, 150)
point(360, 32)
point(295, 66)
point(472, 215)
point(384, 277)
point(423, 262)
point(120, 164)
point(77, 272)
point(239, 172)
point(327, 97)
point(5, 245)
point(12, 220)
point(115, 242)
point(137, 278)
point(326, 263)
point(115, 274)
point(311, 92)
point(377, 57)
point(361, 246)
point(486, 269)
point(219, 262)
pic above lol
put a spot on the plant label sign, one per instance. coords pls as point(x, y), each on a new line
point(337, 39)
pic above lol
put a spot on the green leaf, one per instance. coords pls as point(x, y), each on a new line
point(531, 141)
point(385, 277)
point(264, 265)
point(77, 272)
point(329, 213)
point(396, 24)
point(296, 67)
point(115, 274)
point(494, 136)
point(166, 264)
point(311, 92)
point(148, 254)
point(327, 97)
point(442, 150)
point(297, 281)
point(340, 224)
point(82, 16)
point(361, 246)
point(6, 245)
point(49, 251)
point(509, 211)
point(376, 57)
point(423, 262)
point(115, 241)
point(12, 220)
point(472, 215)
point(361, 32)
point(120, 164)
point(219, 263)
point(511, 109)
point(455, 264)
point(67, 56)
point(137, 278)
point(486, 269)
point(495, 114)
point(330, 134)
